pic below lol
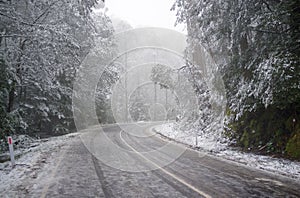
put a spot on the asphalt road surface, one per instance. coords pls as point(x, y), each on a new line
point(131, 161)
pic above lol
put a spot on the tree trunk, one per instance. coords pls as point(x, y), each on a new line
point(11, 98)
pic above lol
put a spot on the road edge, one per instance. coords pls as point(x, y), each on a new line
point(214, 156)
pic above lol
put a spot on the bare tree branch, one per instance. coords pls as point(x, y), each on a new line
point(15, 35)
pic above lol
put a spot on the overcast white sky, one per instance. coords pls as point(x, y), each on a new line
point(144, 13)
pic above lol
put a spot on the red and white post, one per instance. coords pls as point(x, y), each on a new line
point(11, 150)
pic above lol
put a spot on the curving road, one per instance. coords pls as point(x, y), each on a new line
point(143, 166)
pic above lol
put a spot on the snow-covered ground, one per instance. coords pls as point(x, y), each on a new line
point(34, 154)
point(280, 166)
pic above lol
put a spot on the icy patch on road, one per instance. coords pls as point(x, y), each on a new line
point(32, 159)
point(280, 166)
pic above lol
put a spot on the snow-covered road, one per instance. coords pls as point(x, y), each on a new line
point(65, 167)
point(57, 166)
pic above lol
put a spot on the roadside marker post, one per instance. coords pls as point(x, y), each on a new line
point(11, 150)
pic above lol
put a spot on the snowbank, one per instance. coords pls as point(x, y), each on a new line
point(280, 166)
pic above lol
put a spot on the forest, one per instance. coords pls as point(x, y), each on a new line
point(255, 45)
point(42, 46)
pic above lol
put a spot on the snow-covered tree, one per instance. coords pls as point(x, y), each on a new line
point(42, 46)
point(256, 47)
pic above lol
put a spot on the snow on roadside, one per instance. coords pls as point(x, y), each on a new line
point(280, 166)
point(30, 161)
point(206, 142)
